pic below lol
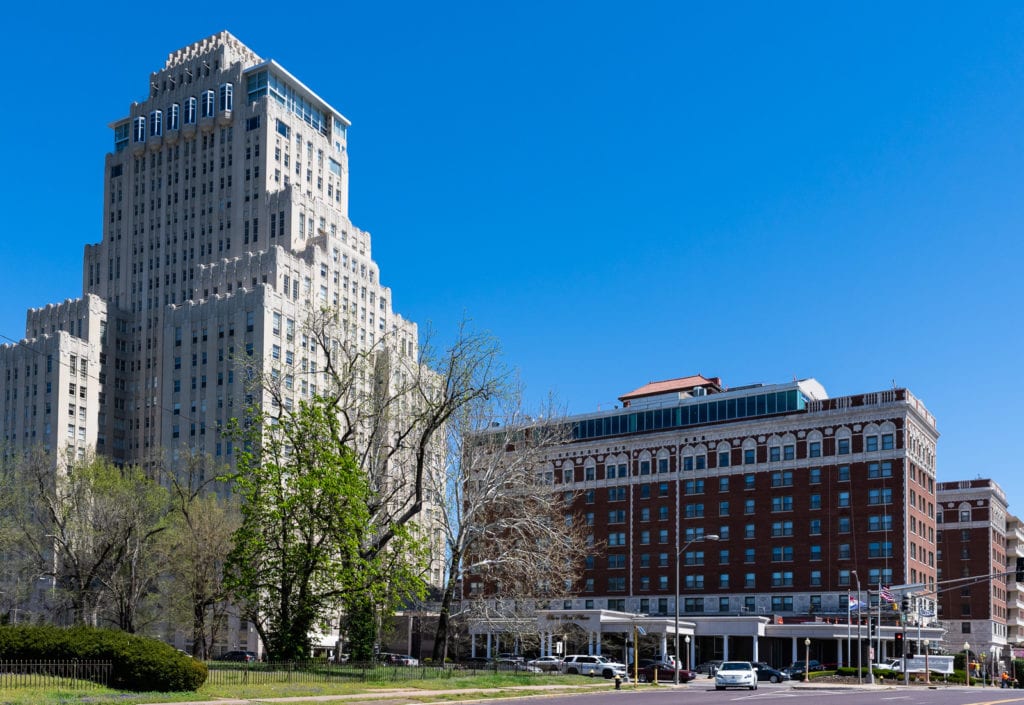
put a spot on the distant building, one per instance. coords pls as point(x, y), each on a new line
point(981, 577)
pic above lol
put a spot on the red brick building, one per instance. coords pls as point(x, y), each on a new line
point(806, 494)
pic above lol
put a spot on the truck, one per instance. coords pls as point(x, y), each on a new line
point(916, 664)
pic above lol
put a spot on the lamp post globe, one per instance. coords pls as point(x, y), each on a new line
point(967, 661)
point(807, 659)
point(687, 640)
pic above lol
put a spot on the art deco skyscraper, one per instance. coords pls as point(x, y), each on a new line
point(225, 224)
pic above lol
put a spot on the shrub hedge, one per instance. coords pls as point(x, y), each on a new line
point(138, 663)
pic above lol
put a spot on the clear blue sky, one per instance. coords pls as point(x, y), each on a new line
point(620, 192)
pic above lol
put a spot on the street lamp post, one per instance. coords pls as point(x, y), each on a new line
point(679, 553)
point(687, 640)
point(807, 659)
point(967, 661)
point(927, 673)
point(860, 605)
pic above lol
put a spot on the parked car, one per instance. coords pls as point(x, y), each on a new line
point(588, 665)
point(665, 673)
point(546, 663)
point(709, 667)
point(769, 673)
point(510, 657)
point(736, 674)
point(244, 656)
point(796, 669)
point(399, 659)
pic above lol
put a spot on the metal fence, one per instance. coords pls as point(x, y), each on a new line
point(319, 671)
point(74, 674)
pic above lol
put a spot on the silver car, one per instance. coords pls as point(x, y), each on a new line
point(736, 674)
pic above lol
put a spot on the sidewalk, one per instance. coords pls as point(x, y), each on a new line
point(389, 697)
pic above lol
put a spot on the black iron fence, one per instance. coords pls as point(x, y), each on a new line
point(73, 674)
point(320, 671)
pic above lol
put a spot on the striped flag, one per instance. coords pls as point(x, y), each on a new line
point(885, 594)
point(855, 604)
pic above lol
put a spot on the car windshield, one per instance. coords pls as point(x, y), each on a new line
point(735, 666)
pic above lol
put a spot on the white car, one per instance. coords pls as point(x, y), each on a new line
point(546, 663)
point(590, 665)
point(736, 674)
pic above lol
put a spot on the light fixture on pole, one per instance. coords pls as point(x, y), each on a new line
point(679, 553)
point(807, 659)
point(687, 640)
point(967, 661)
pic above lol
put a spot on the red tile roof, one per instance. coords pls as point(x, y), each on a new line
point(680, 384)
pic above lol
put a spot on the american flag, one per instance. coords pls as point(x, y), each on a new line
point(885, 594)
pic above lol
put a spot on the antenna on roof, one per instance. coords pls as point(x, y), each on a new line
point(894, 383)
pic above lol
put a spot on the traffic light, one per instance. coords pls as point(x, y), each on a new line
point(898, 646)
point(908, 604)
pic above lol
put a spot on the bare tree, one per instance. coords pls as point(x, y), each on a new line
point(203, 517)
point(510, 545)
point(88, 527)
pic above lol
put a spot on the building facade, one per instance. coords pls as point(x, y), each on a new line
point(225, 229)
point(981, 548)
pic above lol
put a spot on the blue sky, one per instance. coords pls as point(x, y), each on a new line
point(758, 191)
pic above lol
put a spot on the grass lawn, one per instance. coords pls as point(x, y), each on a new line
point(504, 685)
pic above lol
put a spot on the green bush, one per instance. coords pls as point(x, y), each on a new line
point(138, 663)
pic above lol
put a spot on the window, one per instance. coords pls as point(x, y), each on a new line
point(723, 509)
point(723, 484)
point(843, 446)
point(645, 538)
point(206, 102)
point(887, 441)
point(693, 604)
point(748, 482)
point(880, 496)
point(782, 479)
point(723, 459)
point(749, 581)
point(688, 463)
point(723, 584)
point(701, 462)
point(693, 582)
point(749, 555)
point(662, 464)
point(844, 499)
point(645, 491)
point(645, 583)
point(816, 578)
point(749, 456)
point(645, 560)
point(616, 561)
point(616, 494)
point(782, 504)
point(662, 535)
point(788, 452)
point(723, 532)
point(663, 489)
point(843, 551)
point(693, 558)
point(782, 528)
point(844, 525)
point(748, 531)
point(775, 454)
point(870, 443)
point(815, 552)
point(662, 513)
point(844, 473)
point(663, 560)
point(782, 578)
point(880, 549)
point(782, 553)
point(814, 527)
point(880, 523)
point(226, 96)
point(723, 556)
point(814, 449)
point(814, 501)
point(617, 516)
point(693, 487)
point(618, 538)
point(694, 511)
point(814, 476)
point(645, 467)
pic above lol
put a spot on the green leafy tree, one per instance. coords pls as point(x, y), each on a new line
point(305, 517)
